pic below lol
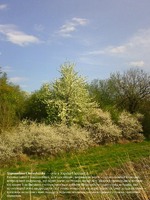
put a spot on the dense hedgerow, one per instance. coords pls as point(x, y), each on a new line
point(30, 138)
point(42, 140)
point(102, 128)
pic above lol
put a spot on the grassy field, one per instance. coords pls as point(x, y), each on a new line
point(95, 160)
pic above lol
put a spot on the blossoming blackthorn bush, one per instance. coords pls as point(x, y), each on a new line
point(102, 128)
point(42, 140)
point(130, 126)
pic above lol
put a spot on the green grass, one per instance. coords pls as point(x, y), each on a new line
point(97, 159)
point(94, 160)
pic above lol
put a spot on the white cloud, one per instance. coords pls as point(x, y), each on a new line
point(109, 50)
point(17, 79)
point(94, 53)
point(118, 50)
point(71, 26)
point(80, 21)
point(141, 38)
point(3, 6)
point(17, 37)
point(134, 52)
point(139, 43)
point(139, 63)
point(135, 49)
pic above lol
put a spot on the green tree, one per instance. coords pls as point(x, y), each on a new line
point(70, 98)
point(129, 91)
point(102, 92)
point(131, 88)
point(11, 103)
point(36, 104)
point(126, 91)
point(65, 101)
point(145, 110)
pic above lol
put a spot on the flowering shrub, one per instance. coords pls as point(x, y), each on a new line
point(6, 152)
point(30, 138)
point(101, 127)
point(74, 138)
point(48, 140)
point(42, 140)
point(130, 126)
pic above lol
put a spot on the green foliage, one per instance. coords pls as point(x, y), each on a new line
point(126, 91)
point(145, 110)
point(130, 89)
point(114, 112)
point(36, 106)
point(11, 103)
point(102, 92)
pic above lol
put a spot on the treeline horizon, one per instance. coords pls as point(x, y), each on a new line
point(69, 99)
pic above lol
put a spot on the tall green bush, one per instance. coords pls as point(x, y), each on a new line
point(36, 104)
point(12, 101)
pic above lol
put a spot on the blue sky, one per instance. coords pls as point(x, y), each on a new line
point(99, 36)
